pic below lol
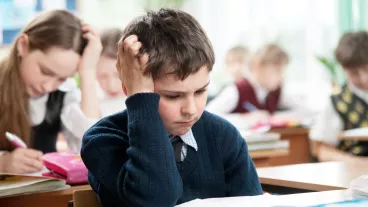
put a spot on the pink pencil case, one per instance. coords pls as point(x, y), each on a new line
point(66, 165)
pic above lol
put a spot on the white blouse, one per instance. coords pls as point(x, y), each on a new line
point(74, 122)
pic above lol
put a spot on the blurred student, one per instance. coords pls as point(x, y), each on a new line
point(348, 108)
point(236, 64)
point(112, 98)
point(257, 94)
point(36, 101)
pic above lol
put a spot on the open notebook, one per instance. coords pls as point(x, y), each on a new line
point(11, 185)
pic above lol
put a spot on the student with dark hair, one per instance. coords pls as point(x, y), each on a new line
point(165, 149)
point(348, 107)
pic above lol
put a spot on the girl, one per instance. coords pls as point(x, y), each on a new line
point(112, 98)
point(33, 102)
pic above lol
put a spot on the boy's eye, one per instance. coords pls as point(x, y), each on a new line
point(201, 91)
point(172, 96)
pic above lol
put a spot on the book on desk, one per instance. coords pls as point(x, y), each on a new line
point(15, 184)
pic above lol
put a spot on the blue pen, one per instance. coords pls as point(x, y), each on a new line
point(249, 107)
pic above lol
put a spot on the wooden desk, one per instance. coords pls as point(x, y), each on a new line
point(299, 151)
point(262, 158)
point(54, 199)
point(310, 177)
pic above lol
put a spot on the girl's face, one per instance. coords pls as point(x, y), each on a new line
point(43, 72)
point(108, 76)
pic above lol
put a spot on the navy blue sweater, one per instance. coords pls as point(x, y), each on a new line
point(131, 160)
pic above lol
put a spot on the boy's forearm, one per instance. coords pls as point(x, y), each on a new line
point(148, 175)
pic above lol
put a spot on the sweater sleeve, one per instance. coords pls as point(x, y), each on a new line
point(240, 174)
point(142, 172)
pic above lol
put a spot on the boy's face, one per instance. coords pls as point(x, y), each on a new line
point(269, 76)
point(182, 101)
point(358, 76)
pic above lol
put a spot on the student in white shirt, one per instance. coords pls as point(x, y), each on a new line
point(112, 97)
point(258, 93)
point(236, 63)
point(348, 107)
point(33, 102)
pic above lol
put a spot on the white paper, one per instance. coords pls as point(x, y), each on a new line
point(359, 132)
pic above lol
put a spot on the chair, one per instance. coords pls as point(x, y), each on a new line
point(85, 198)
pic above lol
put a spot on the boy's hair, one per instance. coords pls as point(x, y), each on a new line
point(270, 54)
point(109, 39)
point(352, 50)
point(240, 53)
point(174, 41)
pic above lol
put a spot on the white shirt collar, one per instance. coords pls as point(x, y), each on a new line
point(188, 139)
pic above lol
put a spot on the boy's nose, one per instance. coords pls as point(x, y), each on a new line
point(190, 107)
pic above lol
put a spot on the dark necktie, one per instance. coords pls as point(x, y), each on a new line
point(177, 145)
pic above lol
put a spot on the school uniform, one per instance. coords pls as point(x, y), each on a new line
point(56, 112)
point(234, 97)
point(133, 161)
point(346, 109)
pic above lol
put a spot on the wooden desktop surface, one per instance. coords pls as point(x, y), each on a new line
point(312, 176)
point(55, 199)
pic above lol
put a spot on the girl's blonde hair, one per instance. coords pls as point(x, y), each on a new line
point(270, 54)
point(56, 28)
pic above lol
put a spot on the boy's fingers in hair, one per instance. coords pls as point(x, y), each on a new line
point(143, 60)
point(129, 41)
point(134, 48)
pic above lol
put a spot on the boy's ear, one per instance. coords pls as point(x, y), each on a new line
point(23, 45)
point(124, 89)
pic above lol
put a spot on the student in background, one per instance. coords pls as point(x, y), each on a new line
point(258, 93)
point(112, 98)
point(165, 149)
point(347, 109)
point(236, 64)
point(36, 101)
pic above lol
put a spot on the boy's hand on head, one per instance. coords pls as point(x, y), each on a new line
point(22, 161)
point(131, 66)
point(92, 52)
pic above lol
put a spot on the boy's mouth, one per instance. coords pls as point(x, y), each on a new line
point(186, 122)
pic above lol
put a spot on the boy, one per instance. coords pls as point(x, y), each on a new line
point(348, 108)
point(258, 94)
point(164, 149)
